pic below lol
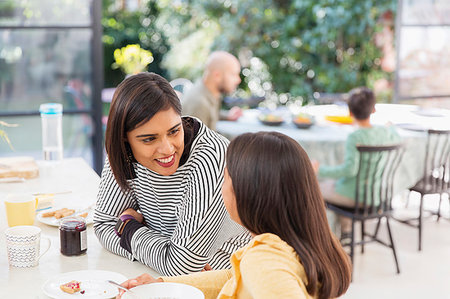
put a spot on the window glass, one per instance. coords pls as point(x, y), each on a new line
point(26, 137)
point(45, 13)
point(40, 66)
point(424, 12)
point(424, 68)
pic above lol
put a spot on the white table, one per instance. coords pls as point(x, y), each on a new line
point(325, 141)
point(77, 176)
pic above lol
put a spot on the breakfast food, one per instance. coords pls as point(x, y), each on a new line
point(271, 118)
point(342, 119)
point(84, 215)
point(19, 167)
point(71, 287)
point(302, 119)
point(58, 214)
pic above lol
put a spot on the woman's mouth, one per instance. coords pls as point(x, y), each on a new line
point(167, 161)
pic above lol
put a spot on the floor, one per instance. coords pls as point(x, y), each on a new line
point(424, 274)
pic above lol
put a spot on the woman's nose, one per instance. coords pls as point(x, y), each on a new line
point(166, 146)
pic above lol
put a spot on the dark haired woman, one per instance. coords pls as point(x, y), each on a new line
point(271, 189)
point(159, 200)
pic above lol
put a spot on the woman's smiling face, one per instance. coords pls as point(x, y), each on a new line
point(159, 143)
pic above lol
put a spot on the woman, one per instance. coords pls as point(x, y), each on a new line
point(271, 189)
point(159, 200)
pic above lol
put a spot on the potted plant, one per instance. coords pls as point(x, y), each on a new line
point(3, 134)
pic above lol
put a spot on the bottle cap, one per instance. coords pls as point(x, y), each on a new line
point(72, 223)
point(51, 108)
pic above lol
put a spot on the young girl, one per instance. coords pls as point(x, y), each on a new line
point(271, 189)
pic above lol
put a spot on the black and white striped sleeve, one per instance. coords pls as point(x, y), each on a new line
point(201, 217)
point(111, 202)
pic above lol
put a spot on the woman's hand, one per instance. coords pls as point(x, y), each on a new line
point(207, 268)
point(140, 280)
point(136, 215)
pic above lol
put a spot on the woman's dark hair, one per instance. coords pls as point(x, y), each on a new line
point(277, 192)
point(361, 102)
point(136, 100)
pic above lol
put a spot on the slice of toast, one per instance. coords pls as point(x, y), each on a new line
point(71, 287)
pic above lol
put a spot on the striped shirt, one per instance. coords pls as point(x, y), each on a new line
point(186, 222)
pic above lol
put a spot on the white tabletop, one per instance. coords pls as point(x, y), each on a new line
point(325, 141)
point(73, 175)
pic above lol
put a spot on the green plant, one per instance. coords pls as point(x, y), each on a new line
point(3, 134)
point(307, 46)
point(132, 59)
point(123, 27)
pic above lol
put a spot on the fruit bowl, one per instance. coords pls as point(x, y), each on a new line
point(271, 119)
point(303, 121)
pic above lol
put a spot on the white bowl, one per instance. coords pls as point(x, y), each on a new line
point(165, 290)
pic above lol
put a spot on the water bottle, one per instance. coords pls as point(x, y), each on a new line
point(52, 142)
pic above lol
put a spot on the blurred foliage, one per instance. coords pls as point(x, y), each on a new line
point(123, 27)
point(291, 47)
point(132, 59)
point(308, 45)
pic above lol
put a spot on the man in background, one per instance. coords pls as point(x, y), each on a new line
point(221, 76)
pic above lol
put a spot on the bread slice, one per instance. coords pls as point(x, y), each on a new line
point(71, 287)
point(21, 167)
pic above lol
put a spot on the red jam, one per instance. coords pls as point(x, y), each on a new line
point(73, 236)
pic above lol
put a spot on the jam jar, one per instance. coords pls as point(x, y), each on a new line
point(73, 236)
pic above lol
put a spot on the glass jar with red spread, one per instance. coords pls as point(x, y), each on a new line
point(73, 236)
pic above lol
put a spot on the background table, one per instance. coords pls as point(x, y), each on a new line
point(74, 175)
point(325, 141)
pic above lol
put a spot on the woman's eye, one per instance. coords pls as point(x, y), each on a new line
point(174, 131)
point(148, 139)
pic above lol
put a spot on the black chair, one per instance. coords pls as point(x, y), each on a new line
point(435, 179)
point(373, 194)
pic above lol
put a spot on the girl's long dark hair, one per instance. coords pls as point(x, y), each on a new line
point(277, 192)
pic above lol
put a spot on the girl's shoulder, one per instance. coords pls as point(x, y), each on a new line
point(268, 244)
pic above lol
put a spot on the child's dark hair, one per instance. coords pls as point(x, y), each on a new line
point(361, 102)
point(277, 192)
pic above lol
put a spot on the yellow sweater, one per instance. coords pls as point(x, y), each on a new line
point(266, 268)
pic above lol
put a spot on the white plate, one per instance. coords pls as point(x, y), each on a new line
point(93, 282)
point(166, 290)
point(55, 222)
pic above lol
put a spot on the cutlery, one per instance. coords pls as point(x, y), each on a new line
point(12, 180)
point(51, 194)
point(133, 294)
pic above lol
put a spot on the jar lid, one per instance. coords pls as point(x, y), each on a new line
point(51, 108)
point(72, 223)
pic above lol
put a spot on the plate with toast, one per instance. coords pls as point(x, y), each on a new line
point(53, 216)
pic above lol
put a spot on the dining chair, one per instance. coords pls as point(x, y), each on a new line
point(435, 179)
point(373, 194)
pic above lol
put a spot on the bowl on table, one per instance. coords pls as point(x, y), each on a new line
point(341, 119)
point(303, 121)
point(270, 119)
point(165, 290)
